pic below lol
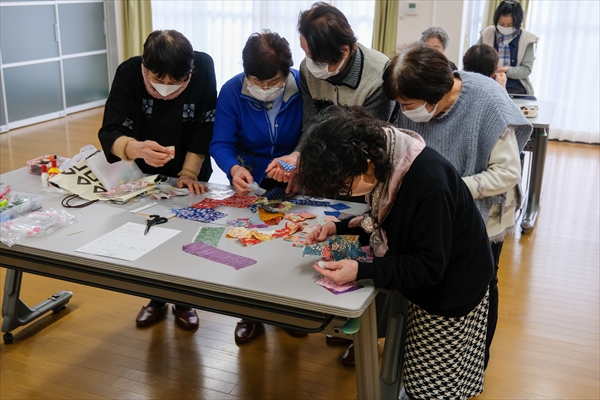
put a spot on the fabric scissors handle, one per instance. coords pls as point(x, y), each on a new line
point(154, 220)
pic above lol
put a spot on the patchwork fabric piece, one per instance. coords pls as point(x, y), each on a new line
point(270, 205)
point(238, 201)
point(297, 240)
point(333, 213)
point(207, 203)
point(267, 216)
point(276, 193)
point(256, 222)
point(300, 216)
point(339, 206)
point(240, 222)
point(210, 235)
point(337, 247)
point(287, 167)
point(217, 255)
point(250, 237)
point(306, 202)
point(428, 358)
point(199, 214)
point(256, 190)
point(338, 289)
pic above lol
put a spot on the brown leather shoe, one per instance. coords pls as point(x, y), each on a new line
point(296, 333)
point(337, 341)
point(348, 357)
point(187, 319)
point(246, 331)
point(150, 315)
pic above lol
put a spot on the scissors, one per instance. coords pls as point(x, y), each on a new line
point(154, 220)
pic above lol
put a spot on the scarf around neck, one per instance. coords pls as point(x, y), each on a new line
point(154, 93)
point(503, 42)
point(403, 146)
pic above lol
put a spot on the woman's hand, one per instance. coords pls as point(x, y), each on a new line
point(276, 171)
point(193, 185)
point(153, 153)
point(241, 179)
point(340, 272)
point(320, 233)
point(501, 79)
point(503, 69)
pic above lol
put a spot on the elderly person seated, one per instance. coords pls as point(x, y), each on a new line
point(258, 118)
point(437, 38)
point(426, 236)
point(471, 121)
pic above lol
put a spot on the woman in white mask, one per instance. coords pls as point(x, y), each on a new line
point(159, 113)
point(337, 70)
point(515, 46)
point(424, 233)
point(258, 118)
point(469, 119)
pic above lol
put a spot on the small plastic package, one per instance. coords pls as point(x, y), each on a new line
point(37, 223)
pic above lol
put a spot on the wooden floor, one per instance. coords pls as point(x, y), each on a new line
point(546, 344)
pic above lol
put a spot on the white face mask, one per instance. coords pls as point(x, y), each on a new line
point(265, 95)
point(420, 114)
point(321, 70)
point(363, 187)
point(505, 31)
point(165, 90)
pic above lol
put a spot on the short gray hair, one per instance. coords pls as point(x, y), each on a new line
point(436, 32)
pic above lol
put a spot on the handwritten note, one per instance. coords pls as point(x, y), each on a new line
point(128, 242)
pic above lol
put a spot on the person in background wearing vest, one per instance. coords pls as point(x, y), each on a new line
point(160, 113)
point(470, 120)
point(258, 118)
point(515, 46)
point(337, 70)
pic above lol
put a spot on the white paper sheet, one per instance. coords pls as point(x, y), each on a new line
point(128, 242)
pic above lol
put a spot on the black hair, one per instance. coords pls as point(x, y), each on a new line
point(336, 149)
point(168, 53)
point(418, 72)
point(482, 59)
point(265, 54)
point(512, 8)
point(326, 30)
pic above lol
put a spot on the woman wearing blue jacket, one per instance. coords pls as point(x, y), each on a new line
point(258, 119)
point(259, 113)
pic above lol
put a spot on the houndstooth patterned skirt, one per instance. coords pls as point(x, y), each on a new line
point(444, 355)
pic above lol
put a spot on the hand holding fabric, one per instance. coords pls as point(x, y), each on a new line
point(501, 79)
point(340, 272)
point(276, 171)
point(241, 179)
point(320, 233)
point(153, 153)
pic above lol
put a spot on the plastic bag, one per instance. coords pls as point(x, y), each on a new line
point(37, 223)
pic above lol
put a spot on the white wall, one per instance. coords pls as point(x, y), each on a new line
point(447, 14)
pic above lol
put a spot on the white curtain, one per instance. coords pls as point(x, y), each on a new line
point(221, 28)
point(567, 65)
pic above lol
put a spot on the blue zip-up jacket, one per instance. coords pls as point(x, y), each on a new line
point(243, 134)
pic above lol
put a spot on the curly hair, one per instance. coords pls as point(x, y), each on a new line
point(337, 149)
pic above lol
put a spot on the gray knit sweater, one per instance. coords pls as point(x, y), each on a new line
point(467, 133)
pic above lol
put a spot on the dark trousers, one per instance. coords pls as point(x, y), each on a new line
point(493, 311)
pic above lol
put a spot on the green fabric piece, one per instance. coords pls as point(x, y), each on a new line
point(210, 235)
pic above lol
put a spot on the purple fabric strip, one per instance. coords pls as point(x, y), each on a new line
point(217, 255)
